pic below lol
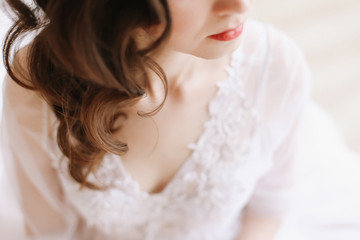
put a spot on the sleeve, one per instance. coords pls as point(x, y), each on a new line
point(25, 136)
point(287, 89)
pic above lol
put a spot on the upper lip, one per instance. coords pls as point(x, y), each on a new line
point(228, 30)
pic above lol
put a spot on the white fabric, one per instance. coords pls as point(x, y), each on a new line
point(326, 195)
point(242, 162)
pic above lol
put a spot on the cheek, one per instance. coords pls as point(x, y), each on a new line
point(187, 18)
point(187, 31)
point(181, 23)
point(189, 23)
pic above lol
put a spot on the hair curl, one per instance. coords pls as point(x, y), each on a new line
point(86, 63)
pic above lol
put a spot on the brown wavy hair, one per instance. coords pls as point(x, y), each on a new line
point(86, 62)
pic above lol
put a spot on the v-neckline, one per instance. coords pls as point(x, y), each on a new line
point(192, 146)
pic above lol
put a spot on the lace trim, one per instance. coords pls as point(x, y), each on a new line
point(222, 155)
point(216, 133)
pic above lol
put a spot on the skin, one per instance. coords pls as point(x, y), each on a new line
point(193, 22)
point(153, 141)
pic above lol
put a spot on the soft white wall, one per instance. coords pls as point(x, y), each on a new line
point(4, 25)
point(329, 33)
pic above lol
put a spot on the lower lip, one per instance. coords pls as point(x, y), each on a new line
point(228, 35)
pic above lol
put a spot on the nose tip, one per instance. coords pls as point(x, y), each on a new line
point(224, 7)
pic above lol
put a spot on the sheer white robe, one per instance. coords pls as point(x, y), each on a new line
point(243, 161)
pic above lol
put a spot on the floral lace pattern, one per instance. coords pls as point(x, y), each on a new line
point(205, 198)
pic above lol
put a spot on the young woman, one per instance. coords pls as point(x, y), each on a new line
point(151, 119)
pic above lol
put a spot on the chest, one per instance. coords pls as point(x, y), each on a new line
point(158, 145)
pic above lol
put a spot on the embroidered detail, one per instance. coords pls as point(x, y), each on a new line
point(210, 189)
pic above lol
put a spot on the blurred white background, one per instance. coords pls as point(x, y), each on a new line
point(4, 24)
point(328, 31)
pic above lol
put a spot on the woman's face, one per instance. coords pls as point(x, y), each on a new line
point(207, 28)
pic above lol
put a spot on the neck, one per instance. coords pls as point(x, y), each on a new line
point(182, 69)
point(185, 73)
point(178, 67)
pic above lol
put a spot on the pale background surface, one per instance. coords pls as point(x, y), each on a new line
point(329, 33)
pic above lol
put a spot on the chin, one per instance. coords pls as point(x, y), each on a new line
point(218, 50)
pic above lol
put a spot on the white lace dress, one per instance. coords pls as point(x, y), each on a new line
point(242, 162)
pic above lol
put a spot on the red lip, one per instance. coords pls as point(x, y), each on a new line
point(229, 34)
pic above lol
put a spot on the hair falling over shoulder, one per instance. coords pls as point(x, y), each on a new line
point(86, 63)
